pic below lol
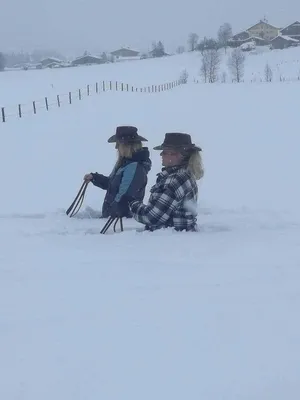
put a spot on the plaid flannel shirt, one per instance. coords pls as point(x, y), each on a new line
point(170, 202)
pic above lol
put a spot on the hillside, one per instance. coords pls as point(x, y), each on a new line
point(158, 315)
point(26, 86)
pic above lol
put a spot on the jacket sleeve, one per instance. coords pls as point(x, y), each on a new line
point(100, 180)
point(159, 210)
point(134, 180)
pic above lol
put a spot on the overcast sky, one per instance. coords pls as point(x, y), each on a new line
point(72, 26)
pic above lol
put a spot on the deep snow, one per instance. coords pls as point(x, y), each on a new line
point(210, 315)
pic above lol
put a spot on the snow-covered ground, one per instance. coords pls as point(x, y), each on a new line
point(23, 87)
point(209, 315)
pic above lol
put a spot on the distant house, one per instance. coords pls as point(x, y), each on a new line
point(125, 52)
point(245, 37)
point(263, 30)
point(283, 42)
point(88, 60)
point(49, 62)
point(292, 30)
point(261, 33)
point(157, 52)
point(240, 36)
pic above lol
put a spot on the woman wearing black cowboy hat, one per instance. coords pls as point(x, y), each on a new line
point(173, 198)
point(129, 175)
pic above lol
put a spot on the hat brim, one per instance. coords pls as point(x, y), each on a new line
point(181, 147)
point(138, 138)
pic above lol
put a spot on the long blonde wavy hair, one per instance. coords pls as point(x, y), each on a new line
point(195, 164)
point(126, 150)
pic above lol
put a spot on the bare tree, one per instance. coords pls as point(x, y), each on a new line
point(214, 65)
point(268, 73)
point(180, 49)
point(204, 67)
point(236, 64)
point(2, 62)
point(224, 34)
point(192, 41)
point(224, 77)
point(210, 65)
point(104, 57)
point(207, 44)
point(183, 79)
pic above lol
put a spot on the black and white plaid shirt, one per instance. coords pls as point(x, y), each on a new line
point(172, 202)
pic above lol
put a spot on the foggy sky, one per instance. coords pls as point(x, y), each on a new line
point(73, 26)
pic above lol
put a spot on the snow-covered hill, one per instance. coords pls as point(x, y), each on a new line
point(164, 315)
point(25, 86)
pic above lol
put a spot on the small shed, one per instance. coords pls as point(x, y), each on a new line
point(46, 62)
point(283, 42)
point(292, 30)
point(125, 52)
point(88, 60)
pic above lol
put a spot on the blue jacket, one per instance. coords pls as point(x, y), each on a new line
point(130, 179)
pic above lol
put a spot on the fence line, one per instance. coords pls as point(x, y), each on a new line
point(20, 110)
point(281, 79)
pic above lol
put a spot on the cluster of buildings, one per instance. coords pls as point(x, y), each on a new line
point(122, 54)
point(260, 34)
point(264, 34)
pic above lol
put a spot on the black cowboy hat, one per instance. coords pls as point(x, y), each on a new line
point(175, 140)
point(126, 134)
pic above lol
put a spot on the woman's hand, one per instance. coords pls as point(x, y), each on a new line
point(88, 177)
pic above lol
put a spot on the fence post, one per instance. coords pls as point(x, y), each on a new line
point(58, 100)
point(127, 87)
point(20, 110)
point(132, 89)
point(46, 102)
point(116, 85)
point(110, 85)
point(34, 107)
point(3, 114)
point(70, 97)
point(96, 87)
point(79, 94)
point(122, 86)
point(103, 86)
point(88, 90)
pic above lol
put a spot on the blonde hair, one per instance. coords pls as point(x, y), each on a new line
point(126, 150)
point(195, 165)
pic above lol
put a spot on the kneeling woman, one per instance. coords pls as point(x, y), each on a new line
point(173, 199)
point(129, 175)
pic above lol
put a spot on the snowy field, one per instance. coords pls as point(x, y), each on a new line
point(210, 315)
point(23, 87)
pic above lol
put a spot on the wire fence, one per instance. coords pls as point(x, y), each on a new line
point(256, 79)
point(50, 102)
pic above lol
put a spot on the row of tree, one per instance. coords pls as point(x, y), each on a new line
point(211, 61)
point(224, 34)
point(210, 66)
